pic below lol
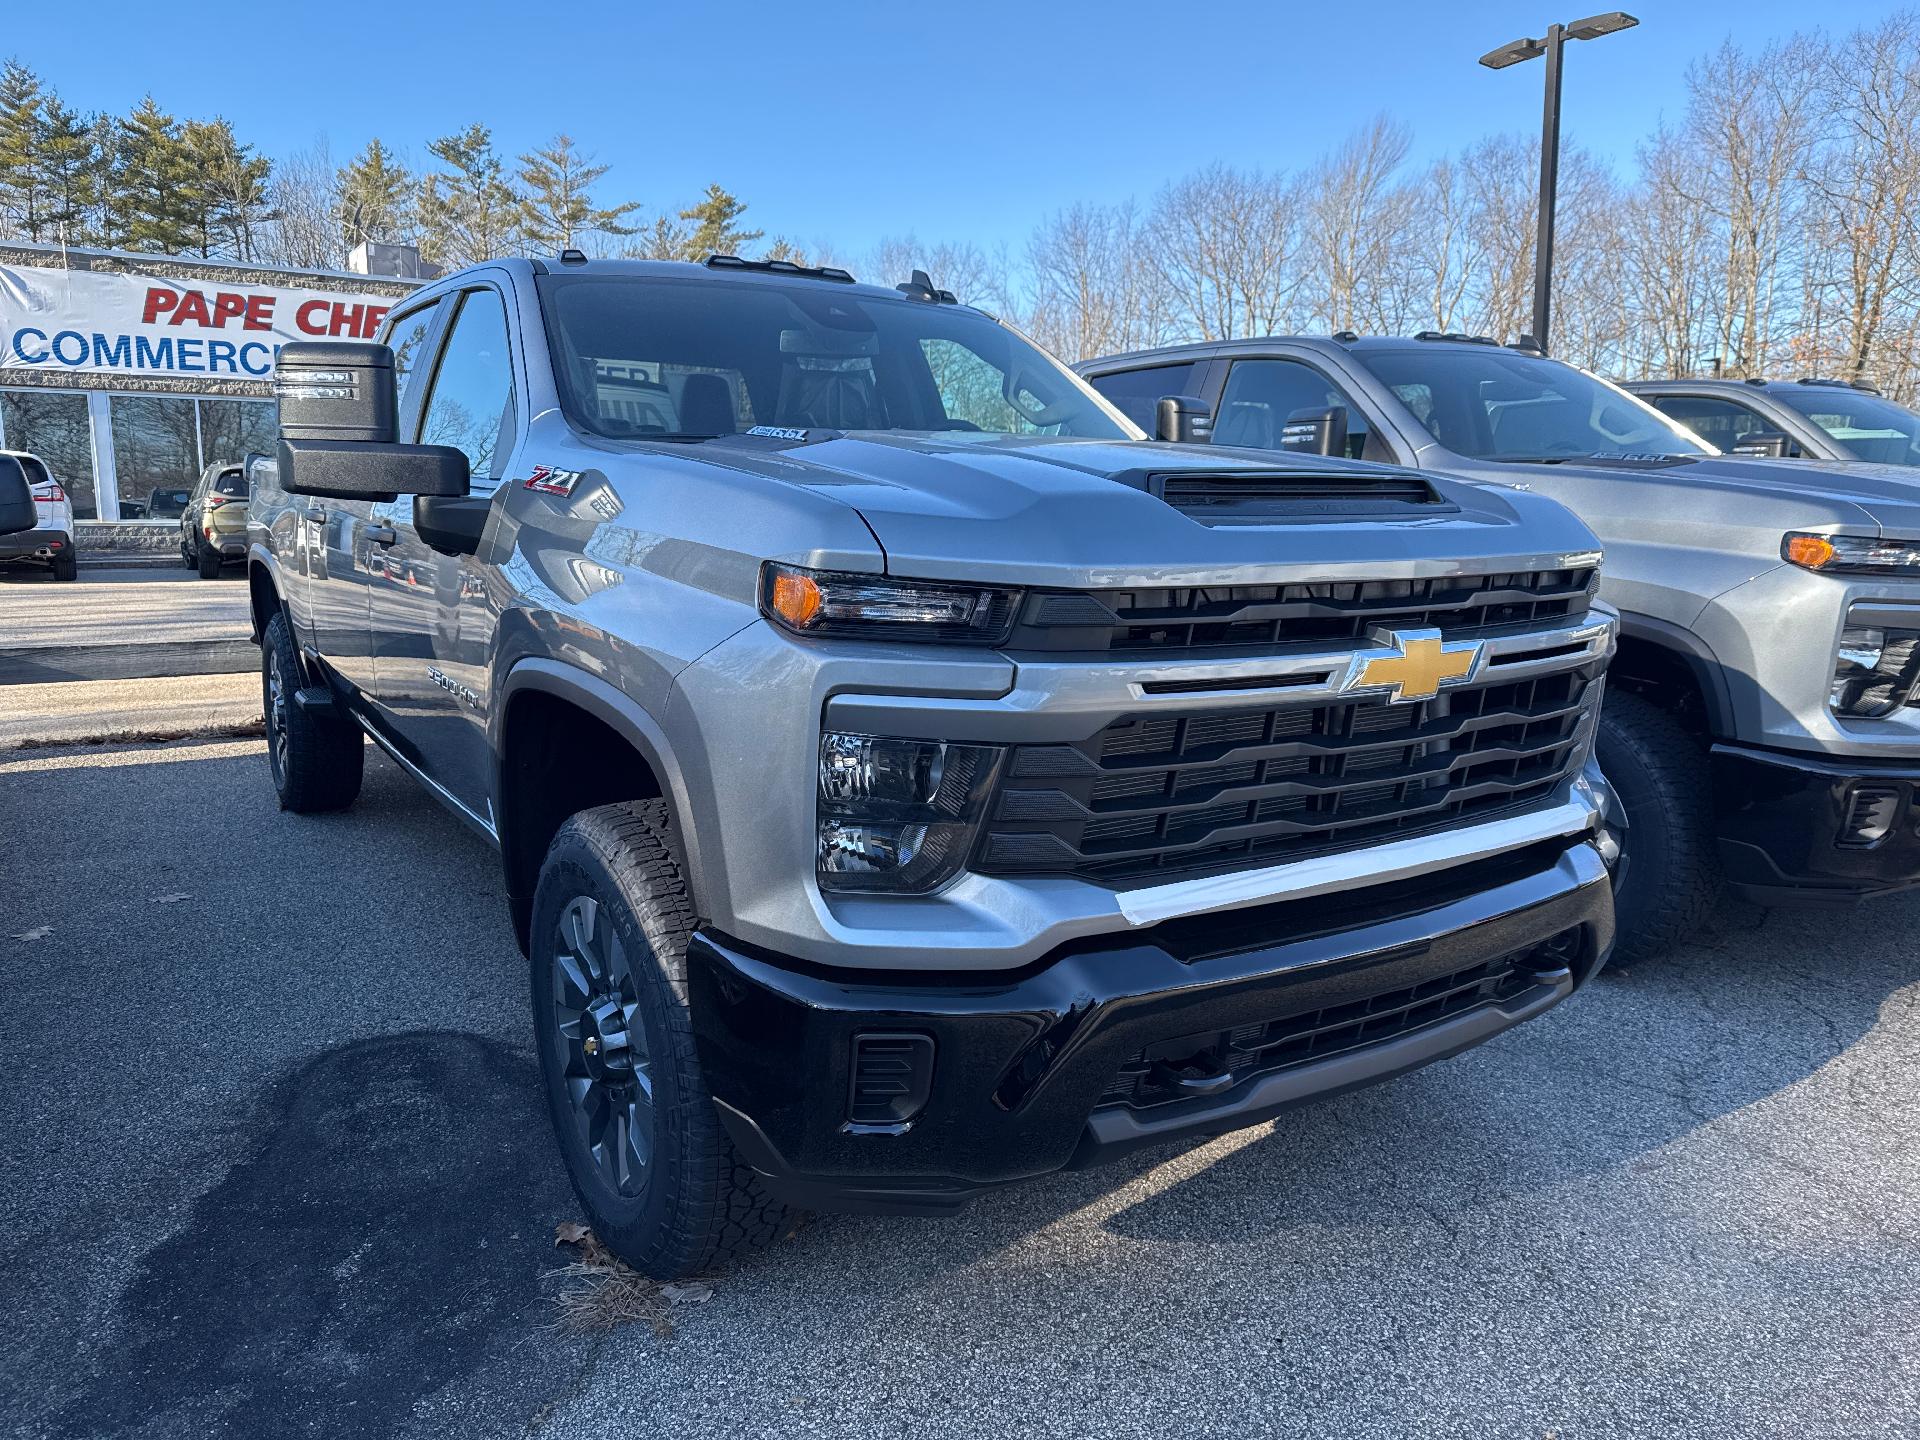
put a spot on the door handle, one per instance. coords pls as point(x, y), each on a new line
point(381, 534)
point(315, 513)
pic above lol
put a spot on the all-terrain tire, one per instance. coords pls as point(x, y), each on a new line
point(697, 1203)
point(316, 758)
point(1670, 878)
point(66, 565)
point(208, 560)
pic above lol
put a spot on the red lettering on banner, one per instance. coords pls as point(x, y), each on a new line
point(309, 317)
point(226, 305)
point(158, 302)
point(375, 314)
point(346, 319)
point(193, 306)
point(259, 313)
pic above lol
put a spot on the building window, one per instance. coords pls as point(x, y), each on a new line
point(232, 429)
point(156, 454)
point(54, 427)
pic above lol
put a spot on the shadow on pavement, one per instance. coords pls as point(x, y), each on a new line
point(371, 1247)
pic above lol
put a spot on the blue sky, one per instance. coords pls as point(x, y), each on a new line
point(849, 122)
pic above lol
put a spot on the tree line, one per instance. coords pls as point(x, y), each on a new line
point(1772, 227)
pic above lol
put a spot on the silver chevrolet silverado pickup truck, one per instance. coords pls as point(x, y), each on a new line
point(907, 778)
point(1763, 718)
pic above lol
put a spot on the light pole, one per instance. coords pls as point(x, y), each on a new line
point(1512, 53)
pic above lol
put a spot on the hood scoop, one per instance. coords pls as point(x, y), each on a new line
point(1267, 497)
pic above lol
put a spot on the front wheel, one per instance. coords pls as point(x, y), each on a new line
point(658, 1178)
point(316, 758)
point(1668, 876)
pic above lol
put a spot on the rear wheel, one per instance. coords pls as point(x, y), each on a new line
point(1668, 877)
point(635, 1119)
point(316, 757)
point(66, 565)
point(209, 561)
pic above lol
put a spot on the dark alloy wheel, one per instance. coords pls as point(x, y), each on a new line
point(316, 759)
point(643, 1145)
point(599, 1031)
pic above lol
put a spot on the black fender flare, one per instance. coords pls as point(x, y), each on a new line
point(1705, 667)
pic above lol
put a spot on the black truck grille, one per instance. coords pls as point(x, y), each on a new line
point(1154, 798)
point(1153, 1076)
point(1200, 618)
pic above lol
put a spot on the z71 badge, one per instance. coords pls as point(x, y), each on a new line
point(545, 480)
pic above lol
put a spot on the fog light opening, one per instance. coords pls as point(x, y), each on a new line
point(1871, 814)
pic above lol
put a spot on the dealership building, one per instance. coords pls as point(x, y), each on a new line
point(129, 373)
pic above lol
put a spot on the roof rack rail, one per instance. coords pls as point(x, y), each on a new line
point(779, 267)
point(920, 286)
point(1839, 384)
point(1456, 335)
point(1756, 380)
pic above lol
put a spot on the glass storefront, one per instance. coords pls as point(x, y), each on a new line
point(156, 454)
point(54, 425)
point(144, 450)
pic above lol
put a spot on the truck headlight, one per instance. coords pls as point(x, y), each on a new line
point(895, 815)
point(873, 607)
point(1874, 671)
point(1852, 554)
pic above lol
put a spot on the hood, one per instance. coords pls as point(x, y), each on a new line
point(1800, 493)
point(1042, 510)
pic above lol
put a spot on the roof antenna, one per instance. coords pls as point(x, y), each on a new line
point(920, 287)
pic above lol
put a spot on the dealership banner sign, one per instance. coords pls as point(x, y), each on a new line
point(84, 320)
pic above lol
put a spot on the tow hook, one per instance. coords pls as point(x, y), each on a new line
point(1188, 1078)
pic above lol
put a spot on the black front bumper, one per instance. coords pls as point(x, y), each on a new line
point(1191, 1028)
point(1788, 826)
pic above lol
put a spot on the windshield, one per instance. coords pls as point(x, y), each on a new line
point(1865, 426)
point(642, 357)
point(1498, 405)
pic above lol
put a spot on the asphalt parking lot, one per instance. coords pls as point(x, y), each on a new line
point(271, 1162)
point(122, 622)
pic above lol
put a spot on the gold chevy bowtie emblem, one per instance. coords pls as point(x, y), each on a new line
point(1420, 663)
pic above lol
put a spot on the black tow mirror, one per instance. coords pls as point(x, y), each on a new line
point(1764, 445)
point(1320, 431)
point(339, 422)
point(1184, 419)
point(16, 497)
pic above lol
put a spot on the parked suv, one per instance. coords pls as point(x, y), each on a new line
point(907, 779)
point(1762, 722)
point(1803, 419)
point(51, 538)
point(213, 526)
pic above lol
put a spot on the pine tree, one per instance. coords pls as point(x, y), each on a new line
point(467, 211)
point(375, 197)
point(556, 198)
point(22, 136)
point(227, 193)
point(154, 173)
point(68, 167)
point(665, 239)
point(106, 208)
point(713, 225)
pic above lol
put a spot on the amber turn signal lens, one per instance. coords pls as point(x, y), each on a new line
point(796, 598)
point(1811, 551)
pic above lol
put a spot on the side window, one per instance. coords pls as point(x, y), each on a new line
point(1718, 422)
point(406, 336)
point(1261, 394)
point(1135, 393)
point(470, 406)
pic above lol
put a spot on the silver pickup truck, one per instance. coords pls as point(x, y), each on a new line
point(907, 779)
point(1763, 721)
